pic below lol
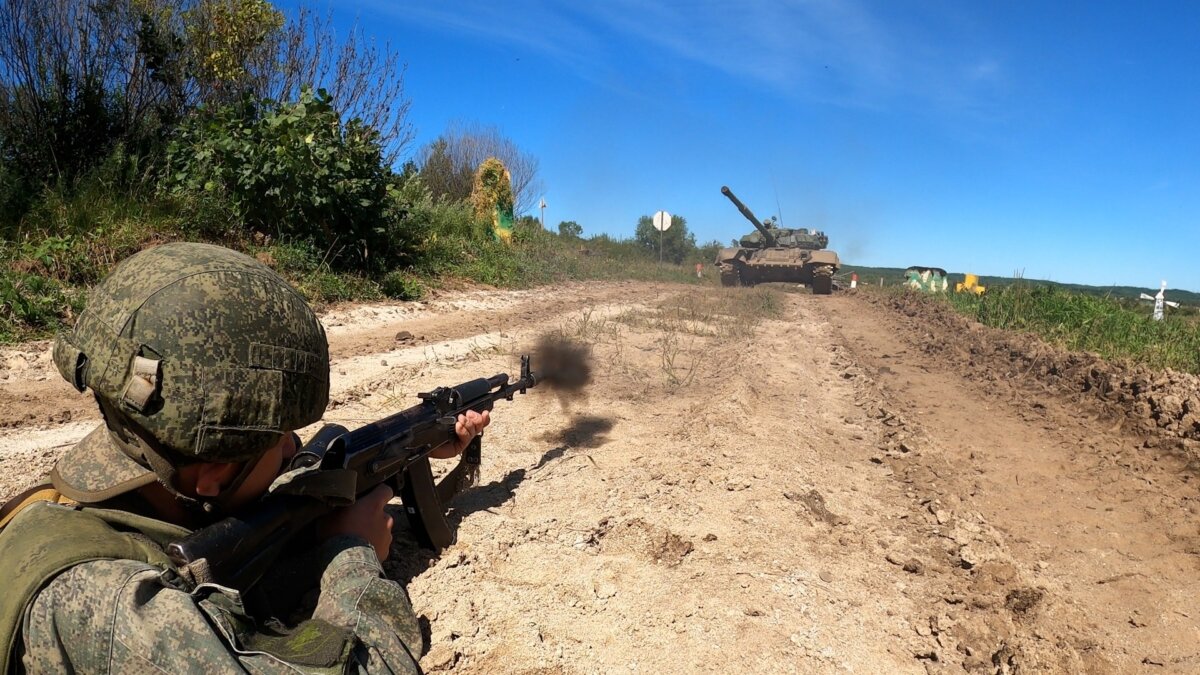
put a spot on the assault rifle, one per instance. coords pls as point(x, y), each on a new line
point(236, 551)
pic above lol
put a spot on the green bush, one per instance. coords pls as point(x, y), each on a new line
point(57, 131)
point(292, 258)
point(31, 303)
point(15, 198)
point(293, 171)
point(72, 237)
point(324, 287)
point(417, 223)
point(399, 285)
point(570, 229)
point(77, 235)
point(676, 243)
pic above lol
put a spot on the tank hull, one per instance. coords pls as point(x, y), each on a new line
point(747, 267)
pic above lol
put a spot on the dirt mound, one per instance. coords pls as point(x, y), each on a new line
point(1062, 495)
point(1165, 404)
point(645, 540)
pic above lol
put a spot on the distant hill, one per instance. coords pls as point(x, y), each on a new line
point(895, 275)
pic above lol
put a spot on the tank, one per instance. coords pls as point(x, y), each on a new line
point(772, 253)
point(813, 240)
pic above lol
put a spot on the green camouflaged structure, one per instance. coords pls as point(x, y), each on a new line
point(927, 279)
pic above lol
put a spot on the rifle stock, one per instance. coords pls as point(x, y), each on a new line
point(237, 550)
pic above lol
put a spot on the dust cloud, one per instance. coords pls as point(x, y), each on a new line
point(565, 365)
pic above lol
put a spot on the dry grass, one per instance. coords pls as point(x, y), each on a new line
point(669, 345)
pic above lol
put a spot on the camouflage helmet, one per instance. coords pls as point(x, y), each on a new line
point(195, 353)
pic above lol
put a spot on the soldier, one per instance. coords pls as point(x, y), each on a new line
point(203, 362)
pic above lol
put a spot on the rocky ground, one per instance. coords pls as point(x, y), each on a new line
point(767, 481)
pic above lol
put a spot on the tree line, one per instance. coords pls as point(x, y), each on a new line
point(677, 243)
point(247, 122)
point(127, 122)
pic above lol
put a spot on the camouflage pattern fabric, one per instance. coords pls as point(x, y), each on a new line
point(97, 466)
point(117, 616)
point(91, 590)
point(926, 279)
point(195, 352)
point(45, 538)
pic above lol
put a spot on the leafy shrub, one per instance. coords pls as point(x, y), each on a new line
point(291, 258)
point(15, 197)
point(412, 217)
point(441, 231)
point(32, 301)
point(61, 128)
point(570, 229)
point(399, 285)
point(291, 170)
point(324, 287)
point(77, 235)
point(676, 243)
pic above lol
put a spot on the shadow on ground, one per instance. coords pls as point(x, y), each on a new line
point(409, 560)
point(584, 431)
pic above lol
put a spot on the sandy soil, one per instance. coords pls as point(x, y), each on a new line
point(854, 484)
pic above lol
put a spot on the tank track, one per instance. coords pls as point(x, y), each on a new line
point(822, 281)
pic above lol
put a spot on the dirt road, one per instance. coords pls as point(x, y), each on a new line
point(758, 481)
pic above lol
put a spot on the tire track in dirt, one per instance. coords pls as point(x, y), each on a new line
point(721, 522)
point(1101, 531)
point(809, 492)
point(41, 416)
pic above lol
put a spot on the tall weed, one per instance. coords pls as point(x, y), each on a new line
point(1083, 322)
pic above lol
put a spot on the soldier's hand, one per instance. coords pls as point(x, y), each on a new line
point(469, 425)
point(364, 518)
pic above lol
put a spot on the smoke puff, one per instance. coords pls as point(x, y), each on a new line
point(564, 364)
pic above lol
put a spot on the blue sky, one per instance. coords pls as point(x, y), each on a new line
point(1057, 139)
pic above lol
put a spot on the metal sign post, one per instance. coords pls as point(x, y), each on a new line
point(662, 221)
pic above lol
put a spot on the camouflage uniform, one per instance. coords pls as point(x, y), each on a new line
point(117, 616)
point(194, 353)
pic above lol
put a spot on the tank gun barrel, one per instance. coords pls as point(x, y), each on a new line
point(768, 237)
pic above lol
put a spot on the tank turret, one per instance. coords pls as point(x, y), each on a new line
point(768, 236)
point(773, 253)
point(801, 238)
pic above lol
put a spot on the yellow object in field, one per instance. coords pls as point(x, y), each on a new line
point(969, 285)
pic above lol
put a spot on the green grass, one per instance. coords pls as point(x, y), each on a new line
point(537, 257)
point(64, 245)
point(891, 276)
point(1116, 329)
point(67, 244)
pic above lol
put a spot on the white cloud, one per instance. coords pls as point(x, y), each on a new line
point(986, 69)
point(842, 52)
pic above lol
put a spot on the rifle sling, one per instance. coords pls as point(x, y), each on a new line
point(464, 474)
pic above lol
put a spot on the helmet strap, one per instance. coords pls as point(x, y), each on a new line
point(221, 502)
point(165, 468)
